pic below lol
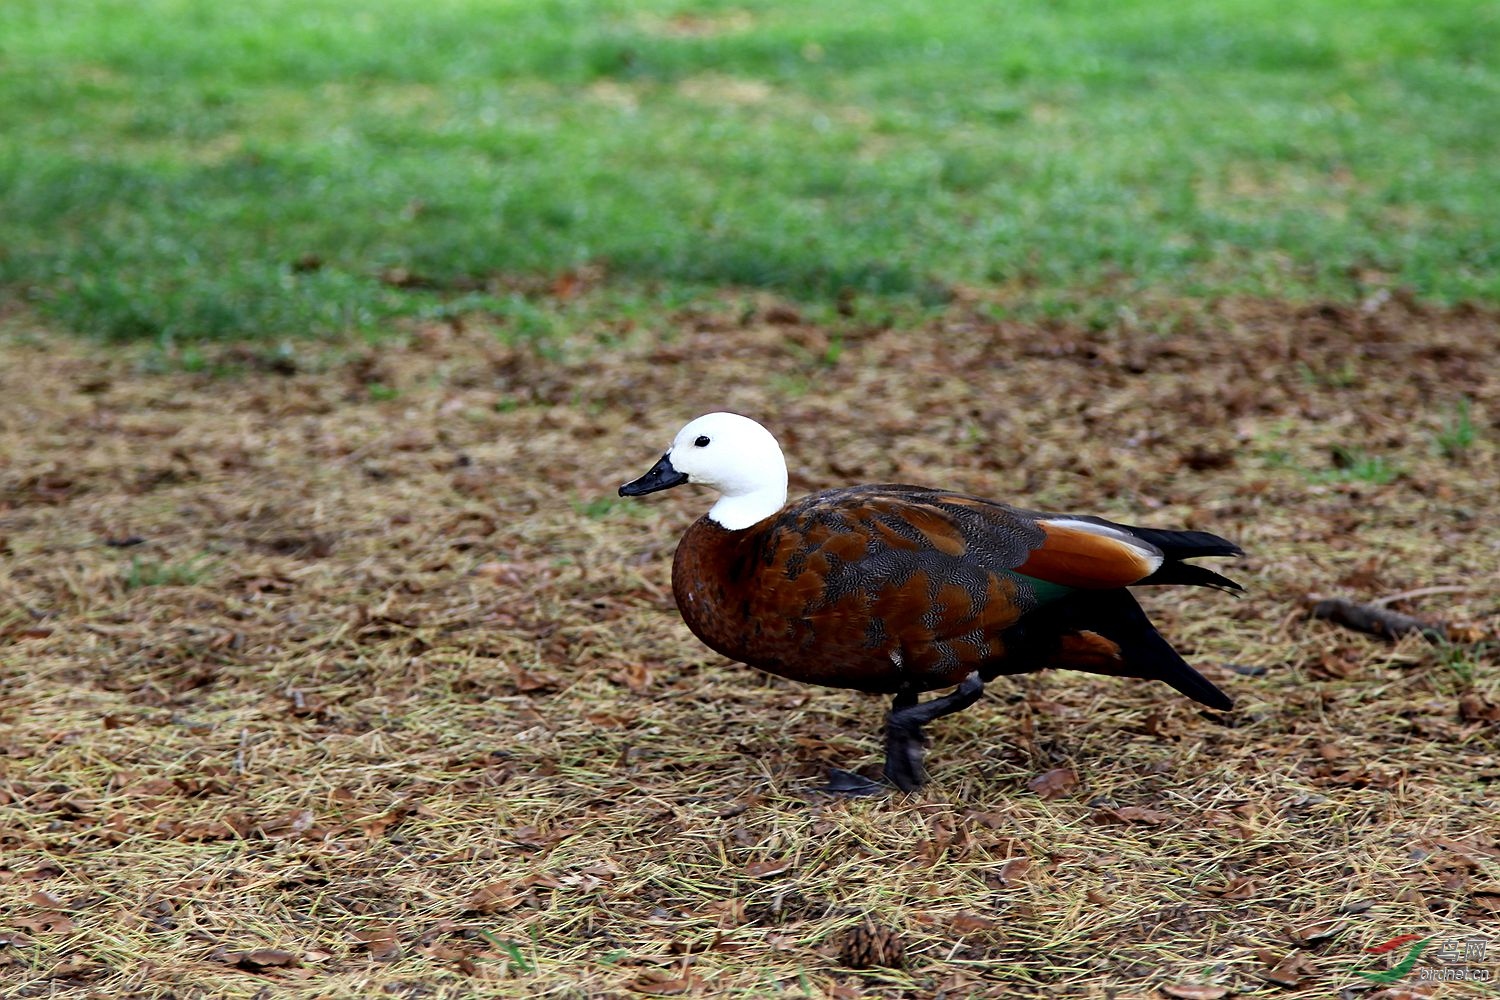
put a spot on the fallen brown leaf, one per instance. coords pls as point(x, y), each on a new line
point(1235, 888)
point(635, 676)
point(663, 987)
point(1131, 814)
point(1292, 970)
point(1474, 708)
point(1195, 991)
point(968, 923)
point(532, 682)
point(1013, 872)
point(1318, 931)
point(1053, 783)
point(262, 958)
point(380, 942)
point(49, 922)
point(497, 897)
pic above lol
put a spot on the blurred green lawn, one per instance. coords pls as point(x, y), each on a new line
point(165, 164)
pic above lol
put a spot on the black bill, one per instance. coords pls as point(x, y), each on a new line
point(661, 476)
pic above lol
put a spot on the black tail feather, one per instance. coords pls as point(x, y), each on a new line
point(1177, 672)
point(1187, 544)
point(1116, 616)
point(1180, 545)
point(1194, 576)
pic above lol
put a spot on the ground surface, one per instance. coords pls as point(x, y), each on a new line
point(333, 669)
point(345, 672)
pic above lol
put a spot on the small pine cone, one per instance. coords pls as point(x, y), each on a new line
point(870, 946)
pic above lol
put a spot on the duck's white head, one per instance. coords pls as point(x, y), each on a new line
point(730, 453)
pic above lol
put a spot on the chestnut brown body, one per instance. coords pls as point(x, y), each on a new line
point(901, 588)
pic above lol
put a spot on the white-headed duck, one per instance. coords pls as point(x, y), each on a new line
point(900, 589)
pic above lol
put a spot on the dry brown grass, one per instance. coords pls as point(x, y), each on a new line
point(392, 698)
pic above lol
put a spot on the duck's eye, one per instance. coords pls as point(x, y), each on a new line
point(702, 441)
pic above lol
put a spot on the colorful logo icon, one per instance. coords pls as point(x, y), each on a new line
point(1405, 966)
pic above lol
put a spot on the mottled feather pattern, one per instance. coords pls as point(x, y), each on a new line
point(847, 572)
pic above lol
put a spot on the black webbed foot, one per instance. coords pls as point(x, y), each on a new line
point(841, 782)
point(904, 739)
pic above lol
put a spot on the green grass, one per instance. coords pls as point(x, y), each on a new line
point(1351, 465)
point(1341, 377)
point(1464, 661)
point(1458, 433)
point(151, 573)
point(179, 170)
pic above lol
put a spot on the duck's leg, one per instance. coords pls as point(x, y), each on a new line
point(842, 782)
point(904, 740)
point(903, 730)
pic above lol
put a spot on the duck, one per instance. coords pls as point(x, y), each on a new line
point(902, 590)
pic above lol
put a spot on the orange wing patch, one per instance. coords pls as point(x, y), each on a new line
point(1089, 652)
point(1076, 557)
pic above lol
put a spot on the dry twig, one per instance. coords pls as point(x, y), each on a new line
point(1374, 620)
